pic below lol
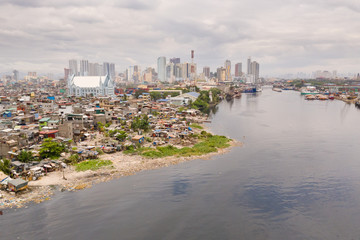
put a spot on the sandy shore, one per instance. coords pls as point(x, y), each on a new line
point(123, 165)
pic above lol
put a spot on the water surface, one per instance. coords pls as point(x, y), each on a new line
point(296, 177)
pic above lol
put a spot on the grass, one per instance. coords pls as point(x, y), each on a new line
point(210, 143)
point(194, 125)
point(92, 165)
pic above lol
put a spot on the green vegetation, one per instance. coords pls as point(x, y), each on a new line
point(121, 136)
point(202, 102)
point(99, 150)
point(210, 143)
point(5, 166)
point(92, 165)
point(100, 127)
point(141, 123)
point(194, 125)
point(25, 156)
point(51, 149)
point(73, 159)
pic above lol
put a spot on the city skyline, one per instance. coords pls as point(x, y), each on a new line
point(323, 36)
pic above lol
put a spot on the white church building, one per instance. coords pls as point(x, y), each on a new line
point(87, 85)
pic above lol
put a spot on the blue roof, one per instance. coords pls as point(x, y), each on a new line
point(194, 94)
point(163, 100)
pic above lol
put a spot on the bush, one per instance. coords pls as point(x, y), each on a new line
point(25, 156)
point(5, 166)
point(73, 159)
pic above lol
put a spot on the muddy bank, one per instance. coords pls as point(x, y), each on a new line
point(71, 180)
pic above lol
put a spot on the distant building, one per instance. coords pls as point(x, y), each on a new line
point(16, 75)
point(249, 66)
point(238, 70)
point(161, 68)
point(73, 67)
point(84, 67)
point(227, 70)
point(66, 73)
point(91, 85)
point(175, 60)
point(206, 71)
point(221, 74)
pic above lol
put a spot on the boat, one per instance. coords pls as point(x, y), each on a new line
point(310, 97)
point(258, 88)
point(309, 90)
point(277, 89)
point(249, 90)
point(357, 104)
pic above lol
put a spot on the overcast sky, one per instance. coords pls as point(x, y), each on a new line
point(284, 36)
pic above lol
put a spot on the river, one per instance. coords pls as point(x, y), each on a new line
point(296, 177)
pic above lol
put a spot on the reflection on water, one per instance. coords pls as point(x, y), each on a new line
point(296, 177)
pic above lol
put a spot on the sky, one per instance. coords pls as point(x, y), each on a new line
point(284, 36)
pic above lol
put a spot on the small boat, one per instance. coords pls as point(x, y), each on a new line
point(310, 97)
point(277, 89)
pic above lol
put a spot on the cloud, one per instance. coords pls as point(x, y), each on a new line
point(281, 35)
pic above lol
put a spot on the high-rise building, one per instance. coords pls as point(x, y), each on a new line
point(66, 73)
point(178, 71)
point(161, 68)
point(15, 75)
point(206, 71)
point(106, 68)
point(255, 70)
point(228, 70)
point(112, 70)
point(238, 70)
point(221, 74)
point(249, 66)
point(175, 60)
point(84, 68)
point(73, 67)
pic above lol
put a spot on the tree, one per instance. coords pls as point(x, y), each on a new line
point(141, 123)
point(25, 156)
point(121, 136)
point(51, 149)
point(5, 166)
point(155, 96)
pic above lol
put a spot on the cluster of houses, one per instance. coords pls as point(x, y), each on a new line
point(27, 118)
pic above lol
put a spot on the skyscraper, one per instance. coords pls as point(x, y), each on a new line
point(84, 68)
point(73, 67)
point(206, 71)
point(249, 65)
point(255, 70)
point(112, 71)
point(161, 68)
point(221, 74)
point(238, 69)
point(175, 60)
point(227, 70)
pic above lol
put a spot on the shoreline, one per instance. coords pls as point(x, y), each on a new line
point(123, 165)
